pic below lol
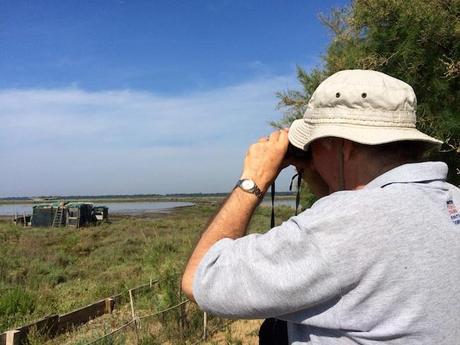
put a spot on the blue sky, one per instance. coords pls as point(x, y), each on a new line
point(121, 97)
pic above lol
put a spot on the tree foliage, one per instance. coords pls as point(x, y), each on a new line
point(417, 41)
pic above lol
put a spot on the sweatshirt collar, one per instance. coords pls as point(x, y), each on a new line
point(413, 172)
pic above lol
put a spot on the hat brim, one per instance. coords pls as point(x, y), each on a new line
point(301, 134)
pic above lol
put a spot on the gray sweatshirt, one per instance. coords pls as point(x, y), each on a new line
point(380, 265)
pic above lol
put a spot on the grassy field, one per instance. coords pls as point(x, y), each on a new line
point(55, 270)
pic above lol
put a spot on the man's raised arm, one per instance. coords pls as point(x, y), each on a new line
point(262, 164)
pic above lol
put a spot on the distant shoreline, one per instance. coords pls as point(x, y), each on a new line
point(133, 198)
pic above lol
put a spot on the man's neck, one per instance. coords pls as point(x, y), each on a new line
point(362, 177)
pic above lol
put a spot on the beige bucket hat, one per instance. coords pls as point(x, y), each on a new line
point(364, 106)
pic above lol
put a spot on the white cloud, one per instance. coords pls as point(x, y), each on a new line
point(72, 141)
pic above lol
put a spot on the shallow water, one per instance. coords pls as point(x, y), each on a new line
point(280, 202)
point(114, 207)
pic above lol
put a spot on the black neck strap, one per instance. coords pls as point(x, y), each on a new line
point(299, 184)
point(297, 197)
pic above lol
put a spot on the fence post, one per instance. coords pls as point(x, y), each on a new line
point(13, 337)
point(109, 304)
point(136, 325)
point(205, 325)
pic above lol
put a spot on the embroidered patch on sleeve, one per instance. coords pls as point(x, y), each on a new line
point(453, 212)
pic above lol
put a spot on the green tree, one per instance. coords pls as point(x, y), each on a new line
point(417, 41)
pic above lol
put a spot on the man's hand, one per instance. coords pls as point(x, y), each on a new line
point(264, 160)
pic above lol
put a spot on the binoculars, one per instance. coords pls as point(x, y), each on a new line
point(296, 153)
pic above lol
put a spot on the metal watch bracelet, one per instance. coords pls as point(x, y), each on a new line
point(249, 186)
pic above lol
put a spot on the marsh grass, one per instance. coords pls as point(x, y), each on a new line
point(47, 271)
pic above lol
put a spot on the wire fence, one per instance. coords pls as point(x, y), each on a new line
point(135, 325)
point(144, 315)
point(180, 323)
point(140, 316)
point(148, 314)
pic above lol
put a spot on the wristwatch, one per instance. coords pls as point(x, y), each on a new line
point(250, 186)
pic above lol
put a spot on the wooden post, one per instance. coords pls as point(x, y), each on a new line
point(131, 301)
point(205, 326)
point(109, 303)
point(133, 314)
point(13, 337)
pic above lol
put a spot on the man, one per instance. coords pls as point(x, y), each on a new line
point(374, 261)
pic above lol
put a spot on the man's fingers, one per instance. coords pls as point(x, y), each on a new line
point(278, 136)
point(284, 135)
point(274, 136)
point(263, 139)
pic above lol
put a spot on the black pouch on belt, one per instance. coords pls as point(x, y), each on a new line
point(273, 332)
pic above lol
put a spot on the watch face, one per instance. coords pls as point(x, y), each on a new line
point(247, 184)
